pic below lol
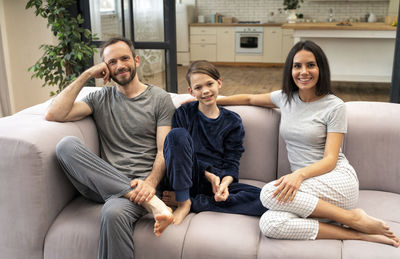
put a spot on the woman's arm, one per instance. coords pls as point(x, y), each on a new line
point(290, 183)
point(263, 100)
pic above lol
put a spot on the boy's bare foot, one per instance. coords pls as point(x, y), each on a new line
point(182, 211)
point(168, 198)
point(182, 208)
point(370, 225)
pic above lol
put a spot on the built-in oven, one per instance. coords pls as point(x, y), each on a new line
point(249, 40)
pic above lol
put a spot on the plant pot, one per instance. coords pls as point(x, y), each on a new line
point(291, 18)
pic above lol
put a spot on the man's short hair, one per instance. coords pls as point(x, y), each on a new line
point(115, 40)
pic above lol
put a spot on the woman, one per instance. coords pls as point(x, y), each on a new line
point(322, 183)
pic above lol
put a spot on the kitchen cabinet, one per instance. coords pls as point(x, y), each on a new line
point(203, 43)
point(362, 52)
point(226, 44)
point(272, 44)
point(287, 43)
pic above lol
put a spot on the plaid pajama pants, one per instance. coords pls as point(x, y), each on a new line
point(289, 220)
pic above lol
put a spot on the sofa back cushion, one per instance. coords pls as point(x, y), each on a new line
point(372, 144)
point(259, 161)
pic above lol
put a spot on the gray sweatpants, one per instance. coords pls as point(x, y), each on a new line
point(97, 180)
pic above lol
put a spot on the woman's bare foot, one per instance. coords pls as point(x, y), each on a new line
point(168, 198)
point(381, 239)
point(182, 211)
point(370, 225)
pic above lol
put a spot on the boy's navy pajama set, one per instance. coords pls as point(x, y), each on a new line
point(197, 144)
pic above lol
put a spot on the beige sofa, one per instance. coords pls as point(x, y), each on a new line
point(43, 216)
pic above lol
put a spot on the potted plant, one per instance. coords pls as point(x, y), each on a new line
point(62, 63)
point(291, 6)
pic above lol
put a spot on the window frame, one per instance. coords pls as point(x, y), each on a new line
point(168, 45)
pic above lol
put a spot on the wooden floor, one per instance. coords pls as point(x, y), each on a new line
point(264, 79)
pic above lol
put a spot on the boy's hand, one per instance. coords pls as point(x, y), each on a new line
point(222, 193)
point(214, 180)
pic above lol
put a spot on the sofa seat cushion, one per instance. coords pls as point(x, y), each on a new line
point(259, 184)
point(75, 232)
point(168, 246)
point(299, 249)
point(221, 235)
point(383, 205)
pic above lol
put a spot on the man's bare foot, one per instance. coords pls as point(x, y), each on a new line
point(370, 225)
point(168, 198)
point(161, 212)
point(162, 222)
point(381, 239)
point(182, 211)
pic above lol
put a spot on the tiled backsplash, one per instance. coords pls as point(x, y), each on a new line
point(259, 10)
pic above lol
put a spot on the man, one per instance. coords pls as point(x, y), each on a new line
point(132, 120)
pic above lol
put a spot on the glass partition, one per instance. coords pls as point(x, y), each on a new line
point(148, 18)
point(106, 18)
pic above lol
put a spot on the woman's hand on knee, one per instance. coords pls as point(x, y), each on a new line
point(288, 185)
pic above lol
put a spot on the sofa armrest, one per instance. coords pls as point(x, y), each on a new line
point(33, 188)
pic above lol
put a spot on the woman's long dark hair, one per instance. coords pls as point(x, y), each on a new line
point(324, 80)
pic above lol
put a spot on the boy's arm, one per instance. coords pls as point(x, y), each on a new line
point(233, 150)
point(180, 118)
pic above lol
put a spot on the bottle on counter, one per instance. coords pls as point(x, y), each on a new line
point(371, 17)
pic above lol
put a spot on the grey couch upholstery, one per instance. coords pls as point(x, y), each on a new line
point(43, 216)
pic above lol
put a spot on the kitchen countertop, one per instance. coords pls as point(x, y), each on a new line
point(376, 26)
point(237, 24)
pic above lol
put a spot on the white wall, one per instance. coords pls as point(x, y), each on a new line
point(393, 7)
point(258, 10)
point(22, 34)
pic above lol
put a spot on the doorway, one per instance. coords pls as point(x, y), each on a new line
point(149, 24)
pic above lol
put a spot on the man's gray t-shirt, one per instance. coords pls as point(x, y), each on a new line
point(127, 127)
point(304, 126)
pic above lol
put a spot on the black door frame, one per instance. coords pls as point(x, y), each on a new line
point(395, 87)
point(169, 44)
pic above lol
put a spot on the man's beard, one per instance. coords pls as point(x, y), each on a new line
point(124, 82)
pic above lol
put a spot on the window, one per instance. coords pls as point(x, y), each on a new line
point(149, 24)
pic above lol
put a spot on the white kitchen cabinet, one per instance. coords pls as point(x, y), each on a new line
point(272, 44)
point(226, 44)
point(203, 43)
point(203, 51)
point(287, 43)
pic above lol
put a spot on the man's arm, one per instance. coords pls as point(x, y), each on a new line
point(64, 108)
point(146, 189)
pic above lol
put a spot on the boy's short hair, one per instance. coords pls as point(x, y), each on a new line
point(202, 67)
